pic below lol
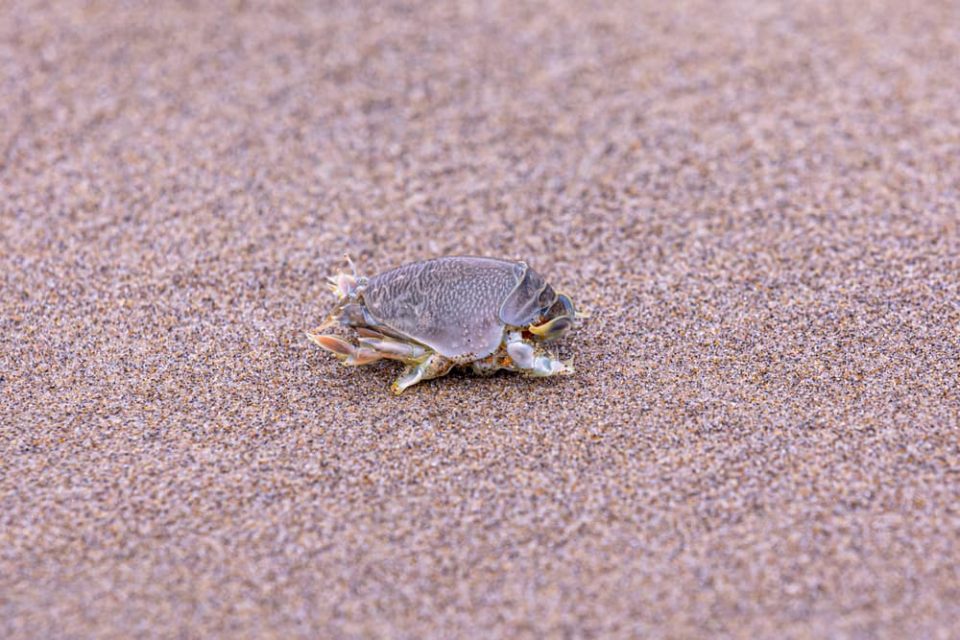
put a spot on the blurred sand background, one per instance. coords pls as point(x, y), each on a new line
point(757, 200)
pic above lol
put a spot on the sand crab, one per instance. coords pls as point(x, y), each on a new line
point(436, 314)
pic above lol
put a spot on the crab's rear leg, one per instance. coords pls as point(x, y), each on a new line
point(351, 355)
point(422, 363)
point(433, 366)
point(409, 352)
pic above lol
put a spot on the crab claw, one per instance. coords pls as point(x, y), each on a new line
point(560, 318)
point(552, 329)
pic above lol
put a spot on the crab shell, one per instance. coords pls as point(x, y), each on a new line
point(459, 307)
point(437, 314)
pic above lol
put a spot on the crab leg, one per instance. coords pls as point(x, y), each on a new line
point(532, 360)
point(433, 366)
point(372, 346)
point(395, 349)
point(349, 354)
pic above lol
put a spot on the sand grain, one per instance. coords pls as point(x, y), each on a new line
point(758, 201)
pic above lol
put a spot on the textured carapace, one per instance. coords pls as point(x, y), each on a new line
point(442, 313)
point(457, 306)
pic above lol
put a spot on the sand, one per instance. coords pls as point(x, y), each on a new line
point(757, 201)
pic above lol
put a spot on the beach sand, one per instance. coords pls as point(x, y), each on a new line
point(757, 201)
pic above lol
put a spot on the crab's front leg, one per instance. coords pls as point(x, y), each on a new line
point(533, 360)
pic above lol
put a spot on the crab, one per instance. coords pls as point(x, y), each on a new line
point(434, 315)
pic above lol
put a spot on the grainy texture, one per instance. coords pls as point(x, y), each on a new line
point(758, 201)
